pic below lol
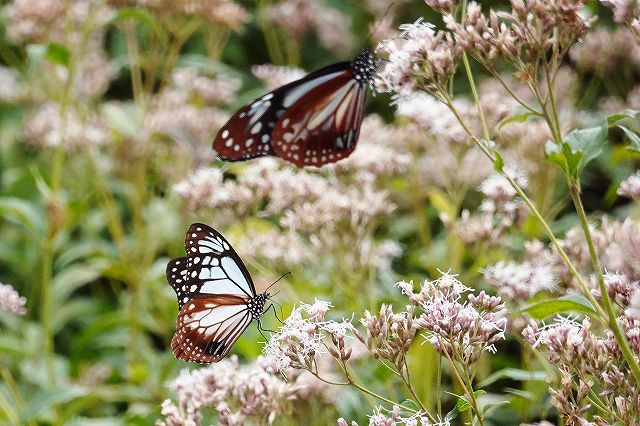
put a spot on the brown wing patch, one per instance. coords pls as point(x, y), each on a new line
point(208, 326)
point(323, 125)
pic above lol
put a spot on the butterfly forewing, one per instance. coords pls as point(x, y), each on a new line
point(208, 326)
point(213, 265)
point(323, 125)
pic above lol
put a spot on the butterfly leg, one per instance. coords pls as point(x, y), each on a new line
point(261, 329)
point(275, 314)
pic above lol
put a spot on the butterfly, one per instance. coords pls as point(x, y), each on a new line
point(217, 299)
point(309, 122)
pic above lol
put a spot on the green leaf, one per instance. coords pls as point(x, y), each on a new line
point(498, 163)
point(462, 405)
point(23, 212)
point(517, 118)
point(633, 137)
point(139, 15)
point(48, 399)
point(579, 148)
point(58, 54)
point(615, 118)
point(547, 308)
point(513, 374)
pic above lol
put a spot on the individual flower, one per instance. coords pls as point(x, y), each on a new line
point(442, 6)
point(11, 301)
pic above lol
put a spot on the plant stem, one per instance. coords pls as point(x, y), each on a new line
point(612, 320)
point(476, 98)
point(530, 205)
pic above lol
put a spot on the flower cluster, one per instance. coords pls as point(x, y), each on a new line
point(256, 393)
point(11, 301)
point(596, 361)
point(311, 208)
point(460, 330)
point(224, 12)
point(499, 211)
point(384, 417)
point(298, 16)
point(420, 59)
point(623, 10)
point(630, 187)
point(188, 109)
point(520, 281)
point(604, 51)
point(304, 337)
point(53, 125)
point(389, 334)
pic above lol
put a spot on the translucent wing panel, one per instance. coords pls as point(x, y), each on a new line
point(208, 326)
point(323, 125)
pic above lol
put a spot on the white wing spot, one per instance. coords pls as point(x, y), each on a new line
point(248, 143)
point(256, 128)
point(228, 143)
point(225, 134)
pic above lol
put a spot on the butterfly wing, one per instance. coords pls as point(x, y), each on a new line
point(208, 326)
point(323, 124)
point(211, 267)
point(248, 134)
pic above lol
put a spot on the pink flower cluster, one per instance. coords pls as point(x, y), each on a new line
point(458, 329)
point(11, 301)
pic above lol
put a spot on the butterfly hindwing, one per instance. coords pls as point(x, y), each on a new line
point(208, 326)
point(323, 124)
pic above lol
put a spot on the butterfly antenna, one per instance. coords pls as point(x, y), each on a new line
point(274, 283)
point(380, 22)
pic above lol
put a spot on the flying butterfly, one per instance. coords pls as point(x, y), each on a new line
point(309, 122)
point(217, 299)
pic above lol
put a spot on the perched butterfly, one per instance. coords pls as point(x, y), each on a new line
point(216, 296)
point(309, 122)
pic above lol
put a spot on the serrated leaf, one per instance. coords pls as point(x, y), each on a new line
point(58, 54)
point(615, 118)
point(547, 308)
point(513, 374)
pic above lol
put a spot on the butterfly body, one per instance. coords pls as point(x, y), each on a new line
point(217, 299)
point(309, 122)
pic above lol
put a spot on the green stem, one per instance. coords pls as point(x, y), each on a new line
point(476, 98)
point(531, 207)
point(604, 295)
point(407, 382)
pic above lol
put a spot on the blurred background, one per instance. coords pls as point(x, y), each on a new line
point(107, 114)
